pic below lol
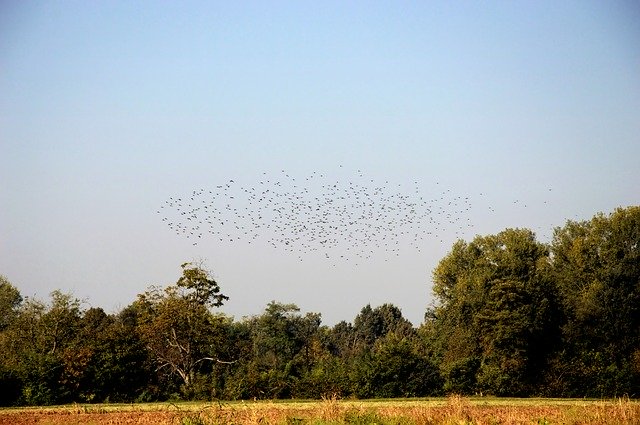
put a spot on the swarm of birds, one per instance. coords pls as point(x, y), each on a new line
point(316, 214)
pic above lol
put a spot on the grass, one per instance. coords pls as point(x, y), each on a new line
point(454, 410)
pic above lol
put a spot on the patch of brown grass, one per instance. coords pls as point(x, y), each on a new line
point(455, 410)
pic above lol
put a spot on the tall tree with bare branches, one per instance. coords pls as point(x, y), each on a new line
point(178, 326)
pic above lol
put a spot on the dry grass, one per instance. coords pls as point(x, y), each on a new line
point(454, 410)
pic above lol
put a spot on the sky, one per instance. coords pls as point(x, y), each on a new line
point(492, 114)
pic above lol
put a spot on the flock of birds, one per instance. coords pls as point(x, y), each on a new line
point(345, 220)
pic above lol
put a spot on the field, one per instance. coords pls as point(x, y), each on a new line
point(452, 410)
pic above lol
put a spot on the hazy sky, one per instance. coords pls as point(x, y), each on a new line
point(530, 110)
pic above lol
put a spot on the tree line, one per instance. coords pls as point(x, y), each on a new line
point(512, 317)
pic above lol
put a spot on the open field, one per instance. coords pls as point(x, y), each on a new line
point(451, 410)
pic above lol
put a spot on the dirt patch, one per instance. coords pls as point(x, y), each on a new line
point(109, 418)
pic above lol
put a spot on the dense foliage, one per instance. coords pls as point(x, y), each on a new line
point(513, 316)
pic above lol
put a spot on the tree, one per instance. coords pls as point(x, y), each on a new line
point(396, 367)
point(201, 288)
point(497, 313)
point(274, 335)
point(10, 300)
point(178, 327)
point(341, 339)
point(108, 361)
point(36, 345)
point(596, 264)
point(284, 355)
point(373, 324)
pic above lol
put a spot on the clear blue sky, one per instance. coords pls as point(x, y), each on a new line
point(107, 109)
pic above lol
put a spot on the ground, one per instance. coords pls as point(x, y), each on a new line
point(436, 411)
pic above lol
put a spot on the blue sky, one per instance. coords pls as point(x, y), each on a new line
point(107, 109)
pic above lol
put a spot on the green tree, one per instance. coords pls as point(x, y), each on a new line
point(496, 314)
point(285, 348)
point(396, 367)
point(341, 340)
point(372, 324)
point(596, 264)
point(37, 344)
point(10, 300)
point(108, 361)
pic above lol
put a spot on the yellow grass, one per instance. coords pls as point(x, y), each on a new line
point(436, 411)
